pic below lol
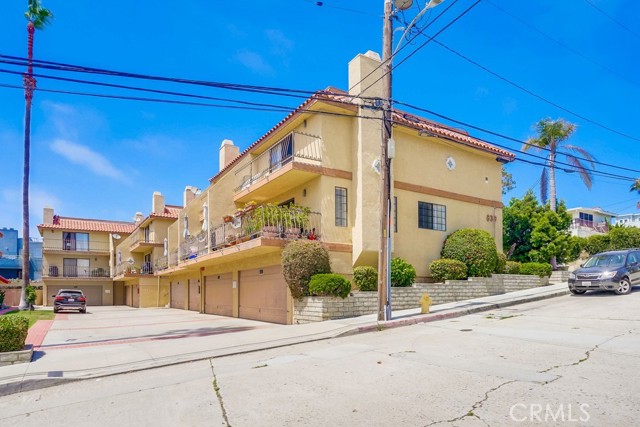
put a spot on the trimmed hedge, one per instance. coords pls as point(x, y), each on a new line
point(302, 259)
point(512, 267)
point(476, 248)
point(402, 273)
point(501, 264)
point(541, 269)
point(331, 284)
point(13, 333)
point(448, 269)
point(365, 278)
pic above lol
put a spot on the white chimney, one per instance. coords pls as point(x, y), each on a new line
point(228, 152)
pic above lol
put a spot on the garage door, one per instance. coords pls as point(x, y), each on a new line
point(178, 292)
point(136, 295)
point(129, 296)
point(218, 294)
point(263, 295)
point(194, 294)
point(92, 293)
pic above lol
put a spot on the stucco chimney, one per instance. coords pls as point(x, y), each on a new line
point(190, 193)
point(138, 218)
point(365, 71)
point(47, 216)
point(157, 204)
point(228, 152)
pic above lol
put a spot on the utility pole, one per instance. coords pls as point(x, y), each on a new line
point(384, 294)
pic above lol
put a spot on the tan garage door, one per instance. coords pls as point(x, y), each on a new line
point(92, 293)
point(178, 292)
point(136, 295)
point(194, 294)
point(218, 294)
point(263, 295)
point(129, 295)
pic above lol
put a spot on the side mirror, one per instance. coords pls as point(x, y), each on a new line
point(53, 296)
point(581, 265)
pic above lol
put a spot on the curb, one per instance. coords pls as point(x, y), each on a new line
point(38, 383)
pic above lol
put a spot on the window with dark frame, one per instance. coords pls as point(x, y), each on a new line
point(341, 207)
point(432, 216)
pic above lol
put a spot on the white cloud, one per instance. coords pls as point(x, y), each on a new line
point(280, 44)
point(86, 157)
point(253, 61)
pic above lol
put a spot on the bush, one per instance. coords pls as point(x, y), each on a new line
point(541, 269)
point(597, 243)
point(512, 267)
point(501, 263)
point(402, 273)
point(13, 333)
point(302, 259)
point(447, 269)
point(475, 248)
point(30, 295)
point(333, 285)
point(365, 278)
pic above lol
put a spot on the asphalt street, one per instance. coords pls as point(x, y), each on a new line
point(570, 360)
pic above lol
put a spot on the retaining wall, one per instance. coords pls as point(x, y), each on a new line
point(317, 309)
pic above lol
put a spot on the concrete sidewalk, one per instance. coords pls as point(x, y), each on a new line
point(124, 346)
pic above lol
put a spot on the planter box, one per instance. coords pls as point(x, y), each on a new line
point(15, 357)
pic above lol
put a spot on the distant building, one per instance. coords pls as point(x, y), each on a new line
point(589, 221)
point(628, 220)
point(11, 256)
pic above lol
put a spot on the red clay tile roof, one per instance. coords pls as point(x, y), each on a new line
point(170, 212)
point(338, 96)
point(3, 280)
point(81, 224)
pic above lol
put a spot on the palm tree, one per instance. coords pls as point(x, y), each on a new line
point(552, 136)
point(635, 186)
point(38, 17)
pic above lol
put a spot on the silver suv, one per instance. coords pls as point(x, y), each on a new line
point(614, 271)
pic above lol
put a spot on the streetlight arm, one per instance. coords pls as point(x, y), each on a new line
point(430, 5)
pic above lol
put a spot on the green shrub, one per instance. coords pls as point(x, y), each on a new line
point(13, 333)
point(402, 273)
point(331, 284)
point(501, 264)
point(30, 295)
point(365, 278)
point(2, 294)
point(541, 269)
point(301, 259)
point(512, 267)
point(476, 248)
point(447, 269)
point(597, 243)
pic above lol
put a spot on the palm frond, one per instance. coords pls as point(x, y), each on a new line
point(38, 14)
point(585, 174)
point(635, 186)
point(584, 153)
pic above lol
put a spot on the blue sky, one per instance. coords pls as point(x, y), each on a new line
point(103, 158)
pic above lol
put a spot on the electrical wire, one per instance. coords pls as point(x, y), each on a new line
point(612, 18)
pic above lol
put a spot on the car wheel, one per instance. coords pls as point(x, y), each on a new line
point(624, 288)
point(577, 291)
point(83, 311)
point(55, 310)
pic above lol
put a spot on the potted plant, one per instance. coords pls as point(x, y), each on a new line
point(298, 220)
point(271, 217)
point(227, 218)
point(249, 207)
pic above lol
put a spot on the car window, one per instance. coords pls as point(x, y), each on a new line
point(606, 260)
point(70, 293)
point(633, 257)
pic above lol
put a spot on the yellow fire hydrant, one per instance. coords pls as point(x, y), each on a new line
point(425, 303)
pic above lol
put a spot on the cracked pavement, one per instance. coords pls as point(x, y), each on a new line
point(565, 361)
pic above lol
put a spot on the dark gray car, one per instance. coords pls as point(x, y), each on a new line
point(616, 271)
point(70, 299)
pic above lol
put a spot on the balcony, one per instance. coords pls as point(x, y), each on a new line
point(126, 270)
point(264, 227)
point(53, 271)
point(67, 246)
point(11, 262)
point(296, 159)
point(596, 227)
point(143, 240)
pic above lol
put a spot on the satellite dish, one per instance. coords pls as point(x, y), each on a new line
point(376, 166)
point(117, 236)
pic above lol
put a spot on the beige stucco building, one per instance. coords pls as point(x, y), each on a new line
point(77, 253)
point(322, 157)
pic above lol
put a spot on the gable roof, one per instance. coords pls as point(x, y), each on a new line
point(82, 224)
point(169, 212)
point(339, 97)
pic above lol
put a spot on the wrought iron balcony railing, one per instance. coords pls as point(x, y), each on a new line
point(62, 271)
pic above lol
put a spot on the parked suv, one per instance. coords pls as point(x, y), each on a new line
point(69, 299)
point(614, 271)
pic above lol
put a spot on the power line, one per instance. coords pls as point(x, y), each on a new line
point(612, 18)
point(558, 42)
point(509, 138)
point(535, 95)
